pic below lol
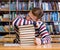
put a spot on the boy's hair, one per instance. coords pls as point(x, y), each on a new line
point(38, 12)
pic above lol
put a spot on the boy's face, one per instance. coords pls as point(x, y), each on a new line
point(31, 16)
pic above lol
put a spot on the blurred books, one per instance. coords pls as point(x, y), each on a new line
point(9, 38)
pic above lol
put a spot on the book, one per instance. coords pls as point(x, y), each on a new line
point(5, 15)
point(30, 5)
point(19, 5)
point(6, 40)
point(1, 18)
point(24, 6)
point(58, 16)
point(37, 4)
point(10, 36)
point(12, 15)
point(4, 6)
point(59, 27)
point(56, 27)
point(11, 28)
point(27, 44)
point(59, 5)
point(43, 18)
point(40, 3)
point(53, 5)
point(27, 35)
point(26, 26)
point(49, 6)
point(27, 31)
point(6, 29)
point(46, 17)
point(12, 6)
point(55, 16)
point(49, 28)
point(44, 5)
point(2, 29)
point(11, 44)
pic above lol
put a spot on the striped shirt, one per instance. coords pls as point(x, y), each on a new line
point(39, 25)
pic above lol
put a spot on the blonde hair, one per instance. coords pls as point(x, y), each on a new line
point(38, 12)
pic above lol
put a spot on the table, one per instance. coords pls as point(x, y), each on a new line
point(54, 46)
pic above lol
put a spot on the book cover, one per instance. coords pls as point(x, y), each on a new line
point(6, 29)
point(30, 5)
point(46, 4)
point(59, 27)
point(51, 29)
point(43, 6)
point(13, 6)
point(56, 26)
point(49, 6)
point(2, 29)
point(0, 18)
point(59, 16)
point(24, 6)
point(55, 16)
point(59, 5)
point(43, 18)
point(19, 5)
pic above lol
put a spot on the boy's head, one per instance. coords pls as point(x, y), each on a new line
point(35, 14)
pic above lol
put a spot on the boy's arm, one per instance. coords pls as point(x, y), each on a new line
point(21, 21)
point(45, 37)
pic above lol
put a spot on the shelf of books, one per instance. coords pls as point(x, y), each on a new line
point(10, 8)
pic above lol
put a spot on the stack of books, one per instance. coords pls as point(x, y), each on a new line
point(5, 17)
point(8, 38)
point(26, 34)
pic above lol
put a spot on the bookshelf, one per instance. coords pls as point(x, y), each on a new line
point(22, 7)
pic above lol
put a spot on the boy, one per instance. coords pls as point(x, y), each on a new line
point(34, 17)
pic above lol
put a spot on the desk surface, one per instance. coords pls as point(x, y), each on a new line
point(54, 46)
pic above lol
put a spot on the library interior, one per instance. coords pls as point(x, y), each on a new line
point(16, 33)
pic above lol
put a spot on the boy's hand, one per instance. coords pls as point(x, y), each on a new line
point(37, 41)
point(46, 40)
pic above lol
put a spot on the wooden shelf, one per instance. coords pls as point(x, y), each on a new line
point(47, 21)
point(15, 10)
point(51, 10)
point(4, 21)
point(42, 21)
point(12, 31)
point(4, 0)
point(10, 36)
point(50, 0)
point(55, 40)
point(4, 32)
point(7, 32)
point(4, 9)
point(27, 10)
point(55, 36)
point(5, 40)
point(27, 0)
point(20, 0)
point(21, 10)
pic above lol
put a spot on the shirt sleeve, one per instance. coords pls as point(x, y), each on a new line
point(45, 37)
point(43, 30)
point(21, 21)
